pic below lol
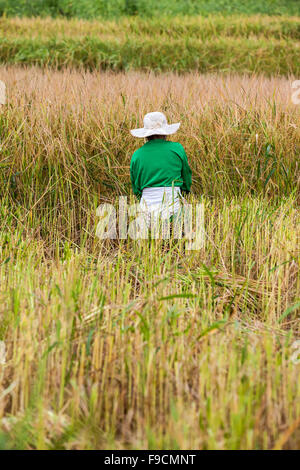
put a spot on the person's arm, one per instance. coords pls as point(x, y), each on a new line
point(133, 178)
point(186, 173)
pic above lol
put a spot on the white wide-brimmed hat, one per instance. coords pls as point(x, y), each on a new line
point(155, 123)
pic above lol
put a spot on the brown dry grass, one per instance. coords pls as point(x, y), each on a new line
point(228, 123)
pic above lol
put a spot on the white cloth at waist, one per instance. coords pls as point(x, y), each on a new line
point(163, 201)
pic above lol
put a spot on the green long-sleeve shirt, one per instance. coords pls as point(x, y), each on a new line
point(160, 163)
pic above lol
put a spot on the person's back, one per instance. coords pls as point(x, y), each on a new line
point(160, 163)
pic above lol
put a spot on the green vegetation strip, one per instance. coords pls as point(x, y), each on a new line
point(241, 55)
point(267, 45)
point(147, 8)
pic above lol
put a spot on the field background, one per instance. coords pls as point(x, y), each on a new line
point(125, 345)
point(90, 9)
point(258, 44)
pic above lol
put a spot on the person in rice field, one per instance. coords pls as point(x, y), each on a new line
point(159, 172)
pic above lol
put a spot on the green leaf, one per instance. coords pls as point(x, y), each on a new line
point(214, 326)
point(288, 311)
point(178, 296)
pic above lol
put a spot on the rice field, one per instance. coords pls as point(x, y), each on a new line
point(91, 9)
point(120, 344)
point(256, 44)
point(241, 133)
